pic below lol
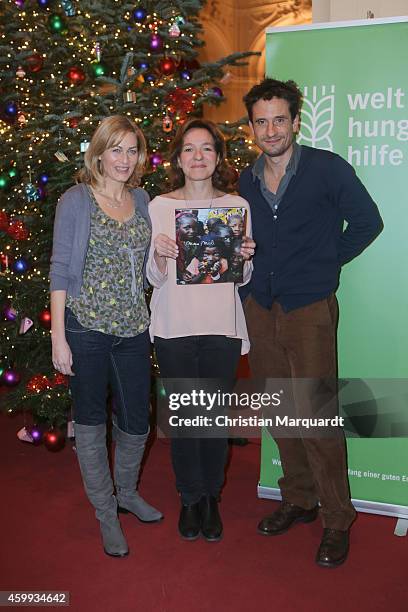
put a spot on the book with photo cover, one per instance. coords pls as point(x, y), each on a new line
point(209, 242)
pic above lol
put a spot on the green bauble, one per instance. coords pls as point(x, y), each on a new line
point(4, 181)
point(13, 174)
point(56, 23)
point(146, 122)
point(98, 69)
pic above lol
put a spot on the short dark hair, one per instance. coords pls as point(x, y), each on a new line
point(223, 176)
point(272, 88)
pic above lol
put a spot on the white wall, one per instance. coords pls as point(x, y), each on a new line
point(342, 10)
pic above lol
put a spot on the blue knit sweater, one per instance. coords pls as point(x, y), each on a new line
point(302, 246)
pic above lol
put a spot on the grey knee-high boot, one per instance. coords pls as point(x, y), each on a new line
point(128, 457)
point(92, 454)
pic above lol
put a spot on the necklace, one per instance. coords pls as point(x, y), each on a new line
point(113, 203)
point(189, 204)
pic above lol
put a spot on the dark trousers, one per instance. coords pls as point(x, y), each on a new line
point(198, 463)
point(301, 344)
point(101, 360)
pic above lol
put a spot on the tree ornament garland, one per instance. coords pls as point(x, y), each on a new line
point(18, 230)
point(38, 384)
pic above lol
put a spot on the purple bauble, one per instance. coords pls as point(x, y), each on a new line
point(216, 91)
point(156, 42)
point(10, 313)
point(156, 159)
point(19, 3)
point(43, 179)
point(36, 434)
point(185, 74)
point(10, 377)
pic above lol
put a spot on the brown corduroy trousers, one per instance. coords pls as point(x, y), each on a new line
point(299, 345)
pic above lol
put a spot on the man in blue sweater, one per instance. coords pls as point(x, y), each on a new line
point(300, 199)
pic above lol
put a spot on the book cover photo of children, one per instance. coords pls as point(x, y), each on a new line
point(209, 242)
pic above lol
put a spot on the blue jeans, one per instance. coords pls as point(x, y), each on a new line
point(102, 360)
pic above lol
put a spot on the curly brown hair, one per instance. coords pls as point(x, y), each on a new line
point(223, 177)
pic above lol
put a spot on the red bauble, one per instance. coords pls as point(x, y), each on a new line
point(35, 62)
point(18, 230)
point(167, 66)
point(54, 440)
point(74, 122)
point(44, 318)
point(38, 384)
point(59, 379)
point(76, 75)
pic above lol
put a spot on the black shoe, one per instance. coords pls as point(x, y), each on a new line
point(211, 524)
point(284, 517)
point(189, 521)
point(333, 549)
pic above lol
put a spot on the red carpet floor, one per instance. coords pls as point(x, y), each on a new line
point(50, 541)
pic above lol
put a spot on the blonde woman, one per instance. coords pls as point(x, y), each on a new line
point(100, 320)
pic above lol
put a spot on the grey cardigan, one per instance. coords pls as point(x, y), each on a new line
point(71, 237)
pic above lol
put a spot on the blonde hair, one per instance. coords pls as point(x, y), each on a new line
point(109, 133)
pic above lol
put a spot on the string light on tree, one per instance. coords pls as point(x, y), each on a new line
point(110, 57)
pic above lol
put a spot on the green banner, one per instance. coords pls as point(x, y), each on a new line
point(355, 83)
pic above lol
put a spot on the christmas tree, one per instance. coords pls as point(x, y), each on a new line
point(64, 65)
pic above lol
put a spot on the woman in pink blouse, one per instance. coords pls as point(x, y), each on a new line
point(198, 328)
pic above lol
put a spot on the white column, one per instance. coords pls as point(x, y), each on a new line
point(320, 10)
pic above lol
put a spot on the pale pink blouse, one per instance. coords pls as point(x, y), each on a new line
point(193, 310)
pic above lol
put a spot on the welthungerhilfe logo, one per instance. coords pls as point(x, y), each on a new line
point(317, 117)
